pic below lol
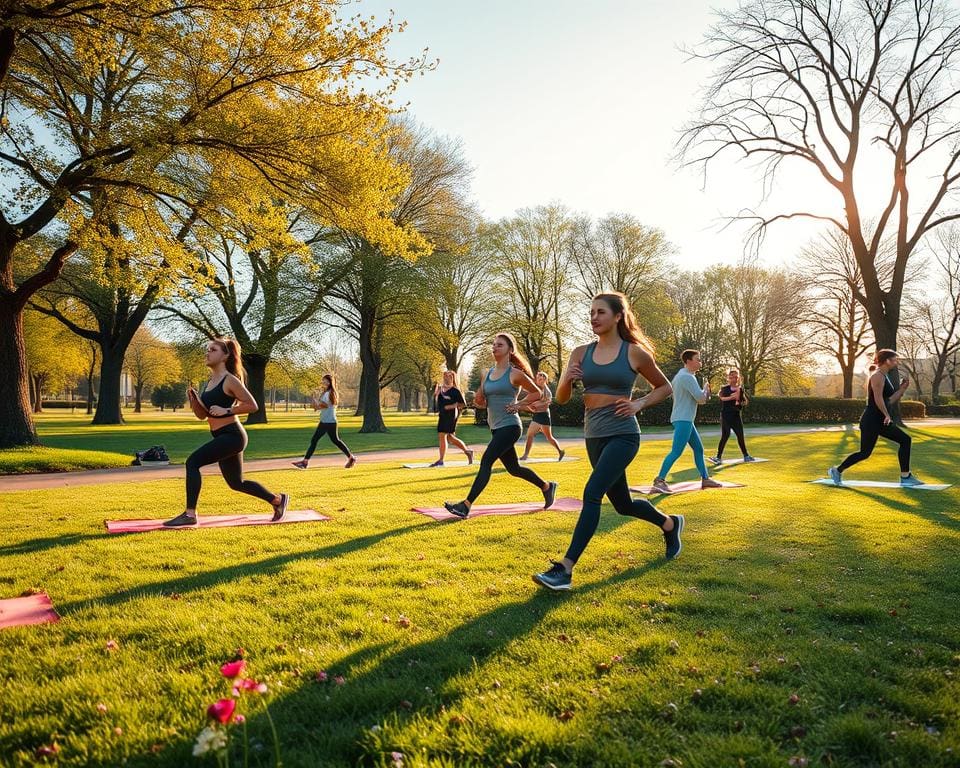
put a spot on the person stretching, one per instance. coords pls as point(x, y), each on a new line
point(608, 368)
point(540, 421)
point(732, 399)
point(449, 402)
point(219, 405)
point(498, 392)
point(327, 405)
point(876, 422)
point(687, 394)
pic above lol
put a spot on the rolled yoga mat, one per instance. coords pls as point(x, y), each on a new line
point(29, 609)
point(482, 510)
point(215, 521)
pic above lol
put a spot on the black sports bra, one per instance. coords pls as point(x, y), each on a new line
point(216, 396)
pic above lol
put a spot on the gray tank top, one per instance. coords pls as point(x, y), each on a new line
point(500, 393)
point(614, 378)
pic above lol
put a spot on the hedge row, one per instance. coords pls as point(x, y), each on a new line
point(761, 410)
point(950, 409)
point(66, 403)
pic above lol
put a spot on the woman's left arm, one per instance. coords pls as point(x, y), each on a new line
point(244, 400)
point(901, 390)
point(643, 363)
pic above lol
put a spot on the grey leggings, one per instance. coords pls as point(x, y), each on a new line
point(503, 446)
point(226, 448)
point(609, 457)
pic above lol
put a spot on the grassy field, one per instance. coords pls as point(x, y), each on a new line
point(68, 439)
point(802, 625)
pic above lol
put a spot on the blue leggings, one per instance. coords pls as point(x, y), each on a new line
point(684, 434)
point(609, 457)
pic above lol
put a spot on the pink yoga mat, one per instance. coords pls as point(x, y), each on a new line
point(685, 487)
point(480, 510)
point(215, 521)
point(32, 609)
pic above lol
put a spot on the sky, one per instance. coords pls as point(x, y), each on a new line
point(582, 103)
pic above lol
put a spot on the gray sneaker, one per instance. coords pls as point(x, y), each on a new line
point(715, 460)
point(709, 482)
point(747, 459)
point(550, 495)
point(835, 476)
point(672, 538)
point(910, 481)
point(660, 486)
point(459, 509)
point(556, 578)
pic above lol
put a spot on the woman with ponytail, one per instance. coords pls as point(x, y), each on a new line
point(608, 368)
point(498, 393)
point(327, 405)
point(223, 398)
point(876, 422)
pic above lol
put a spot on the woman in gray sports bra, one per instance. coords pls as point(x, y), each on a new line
point(608, 368)
point(498, 393)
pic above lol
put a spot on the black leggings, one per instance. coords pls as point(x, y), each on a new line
point(502, 446)
point(609, 457)
point(326, 428)
point(728, 422)
point(870, 430)
point(226, 448)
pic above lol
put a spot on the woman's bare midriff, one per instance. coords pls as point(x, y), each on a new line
point(216, 422)
point(594, 400)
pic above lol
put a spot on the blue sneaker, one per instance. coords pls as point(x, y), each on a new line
point(835, 476)
point(556, 578)
point(715, 460)
point(748, 459)
point(910, 480)
point(672, 538)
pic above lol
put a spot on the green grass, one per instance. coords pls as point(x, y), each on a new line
point(67, 438)
point(847, 599)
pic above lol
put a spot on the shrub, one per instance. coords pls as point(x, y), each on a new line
point(169, 396)
point(66, 403)
point(948, 409)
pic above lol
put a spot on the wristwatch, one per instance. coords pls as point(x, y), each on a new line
point(229, 412)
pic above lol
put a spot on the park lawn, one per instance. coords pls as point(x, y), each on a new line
point(67, 439)
point(801, 622)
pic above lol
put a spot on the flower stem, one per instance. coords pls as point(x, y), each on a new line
point(276, 740)
point(246, 746)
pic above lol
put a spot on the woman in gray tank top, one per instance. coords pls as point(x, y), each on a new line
point(498, 392)
point(608, 368)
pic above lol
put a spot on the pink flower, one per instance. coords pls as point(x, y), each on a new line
point(221, 710)
point(112, 645)
point(233, 669)
point(322, 676)
point(248, 685)
point(239, 719)
point(339, 679)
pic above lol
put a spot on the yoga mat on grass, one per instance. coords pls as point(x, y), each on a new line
point(215, 521)
point(30, 609)
point(730, 462)
point(482, 510)
point(882, 484)
point(687, 486)
point(476, 461)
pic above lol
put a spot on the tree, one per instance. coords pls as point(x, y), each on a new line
point(697, 324)
point(940, 315)
point(765, 310)
point(264, 87)
point(149, 360)
point(836, 88)
point(382, 286)
point(171, 396)
point(54, 355)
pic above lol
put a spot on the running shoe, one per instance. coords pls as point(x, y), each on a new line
point(181, 520)
point(279, 510)
point(910, 480)
point(299, 464)
point(469, 457)
point(747, 459)
point(672, 538)
point(350, 462)
point(835, 476)
point(660, 485)
point(714, 460)
point(550, 495)
point(437, 463)
point(709, 482)
point(556, 578)
point(563, 453)
point(459, 509)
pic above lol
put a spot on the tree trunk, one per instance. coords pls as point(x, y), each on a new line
point(37, 390)
point(90, 386)
point(109, 409)
point(16, 423)
point(402, 400)
point(847, 371)
point(138, 397)
point(255, 365)
point(370, 361)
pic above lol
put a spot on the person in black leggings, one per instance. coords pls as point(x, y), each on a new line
point(732, 399)
point(498, 393)
point(327, 405)
point(876, 422)
point(219, 405)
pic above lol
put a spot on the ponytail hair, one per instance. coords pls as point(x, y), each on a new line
point(627, 325)
point(517, 360)
point(233, 362)
point(881, 356)
point(334, 397)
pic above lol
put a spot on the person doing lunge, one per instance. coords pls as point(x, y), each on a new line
point(540, 420)
point(222, 400)
point(498, 393)
point(327, 405)
point(687, 395)
point(449, 401)
point(608, 368)
point(732, 399)
point(876, 422)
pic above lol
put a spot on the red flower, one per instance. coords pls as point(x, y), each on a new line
point(233, 669)
point(221, 710)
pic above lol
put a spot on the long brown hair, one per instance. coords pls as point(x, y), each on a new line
point(627, 325)
point(881, 356)
point(334, 397)
point(232, 350)
point(516, 359)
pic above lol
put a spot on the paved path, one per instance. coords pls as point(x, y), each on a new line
point(40, 481)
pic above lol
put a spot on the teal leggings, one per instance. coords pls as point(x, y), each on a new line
point(684, 434)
